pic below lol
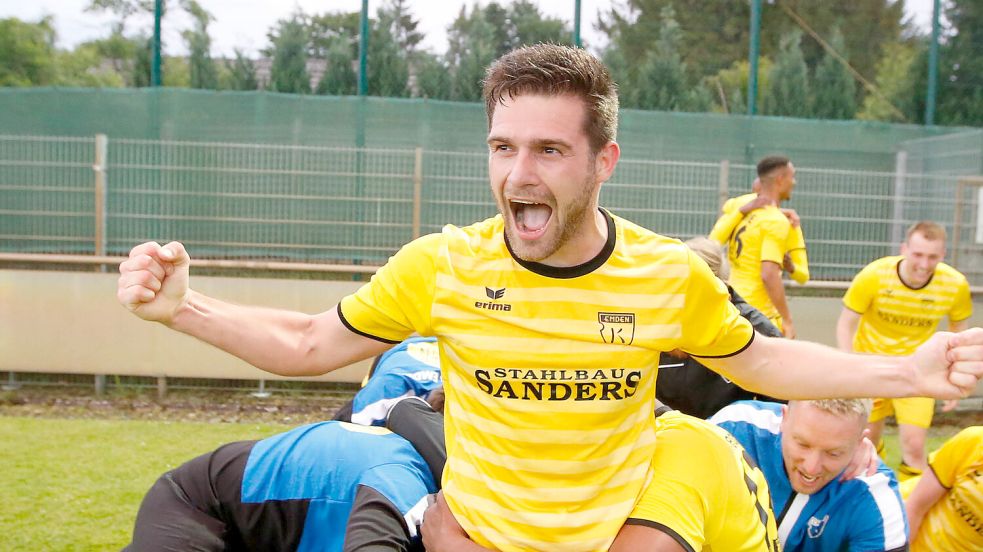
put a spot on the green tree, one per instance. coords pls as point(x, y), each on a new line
point(326, 30)
point(788, 82)
point(896, 83)
point(203, 73)
point(715, 34)
point(339, 77)
point(472, 45)
point(288, 72)
point(241, 73)
point(527, 25)
point(730, 85)
point(834, 89)
point(960, 94)
point(27, 53)
point(661, 80)
point(432, 77)
point(85, 67)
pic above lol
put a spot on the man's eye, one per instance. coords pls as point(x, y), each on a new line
point(550, 150)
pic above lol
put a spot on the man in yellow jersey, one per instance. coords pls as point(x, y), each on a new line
point(550, 318)
point(894, 305)
point(758, 245)
point(796, 261)
point(945, 504)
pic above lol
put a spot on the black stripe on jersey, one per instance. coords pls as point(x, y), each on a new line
point(902, 548)
point(567, 272)
point(737, 352)
point(656, 525)
point(355, 330)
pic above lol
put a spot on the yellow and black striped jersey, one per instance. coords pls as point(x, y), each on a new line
point(896, 319)
point(549, 372)
point(705, 491)
point(762, 235)
point(955, 522)
point(731, 216)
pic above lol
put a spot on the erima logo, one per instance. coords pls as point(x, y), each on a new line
point(493, 294)
point(815, 527)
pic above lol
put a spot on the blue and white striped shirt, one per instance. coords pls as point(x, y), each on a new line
point(863, 514)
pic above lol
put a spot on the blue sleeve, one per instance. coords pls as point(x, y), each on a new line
point(878, 521)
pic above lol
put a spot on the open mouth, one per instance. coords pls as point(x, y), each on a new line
point(530, 218)
point(808, 480)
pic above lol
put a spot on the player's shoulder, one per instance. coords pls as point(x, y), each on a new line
point(763, 415)
point(970, 435)
point(950, 273)
point(641, 242)
point(736, 203)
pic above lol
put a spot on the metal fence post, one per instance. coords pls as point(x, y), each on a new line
point(900, 175)
point(99, 169)
point(417, 190)
point(723, 184)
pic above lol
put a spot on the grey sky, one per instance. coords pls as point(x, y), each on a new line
point(243, 23)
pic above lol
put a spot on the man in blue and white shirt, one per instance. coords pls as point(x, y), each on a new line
point(410, 369)
point(803, 448)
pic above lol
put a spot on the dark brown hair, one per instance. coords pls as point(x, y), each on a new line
point(770, 163)
point(553, 70)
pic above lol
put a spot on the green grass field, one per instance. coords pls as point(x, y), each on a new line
point(75, 484)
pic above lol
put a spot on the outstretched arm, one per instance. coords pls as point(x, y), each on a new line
point(946, 366)
point(154, 285)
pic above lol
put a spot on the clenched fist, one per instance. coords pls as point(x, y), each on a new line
point(153, 281)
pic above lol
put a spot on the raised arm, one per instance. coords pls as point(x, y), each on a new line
point(154, 285)
point(846, 329)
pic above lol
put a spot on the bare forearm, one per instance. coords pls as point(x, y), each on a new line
point(802, 370)
point(772, 278)
point(278, 341)
point(846, 329)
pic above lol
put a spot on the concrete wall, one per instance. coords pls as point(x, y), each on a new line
point(70, 322)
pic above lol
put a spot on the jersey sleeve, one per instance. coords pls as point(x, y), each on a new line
point(878, 521)
point(397, 300)
point(724, 227)
point(774, 240)
point(797, 251)
point(861, 291)
point(963, 306)
point(711, 325)
point(375, 525)
point(957, 455)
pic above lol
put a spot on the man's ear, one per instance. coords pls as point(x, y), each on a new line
point(605, 161)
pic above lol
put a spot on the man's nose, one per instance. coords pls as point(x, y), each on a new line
point(523, 170)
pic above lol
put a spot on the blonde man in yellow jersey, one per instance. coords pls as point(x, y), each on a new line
point(757, 247)
point(796, 261)
point(894, 305)
point(550, 319)
point(945, 504)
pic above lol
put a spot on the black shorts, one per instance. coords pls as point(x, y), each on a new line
point(197, 507)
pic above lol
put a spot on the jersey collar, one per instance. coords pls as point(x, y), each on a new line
point(567, 272)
